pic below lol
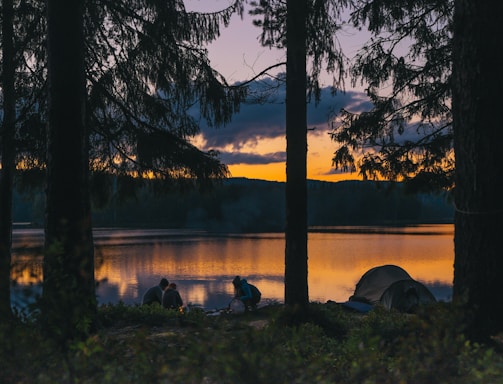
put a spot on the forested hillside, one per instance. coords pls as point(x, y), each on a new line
point(256, 205)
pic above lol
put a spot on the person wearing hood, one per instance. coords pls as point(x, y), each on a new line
point(246, 292)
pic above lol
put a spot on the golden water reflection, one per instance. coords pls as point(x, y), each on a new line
point(203, 265)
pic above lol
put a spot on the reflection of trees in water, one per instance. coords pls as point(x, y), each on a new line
point(26, 278)
point(26, 269)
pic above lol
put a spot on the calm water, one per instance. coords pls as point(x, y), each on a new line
point(203, 265)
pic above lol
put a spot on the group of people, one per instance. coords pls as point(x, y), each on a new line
point(166, 294)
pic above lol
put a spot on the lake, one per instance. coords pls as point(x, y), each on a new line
point(203, 264)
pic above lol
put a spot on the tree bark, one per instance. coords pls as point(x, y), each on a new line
point(478, 135)
point(8, 153)
point(296, 281)
point(69, 300)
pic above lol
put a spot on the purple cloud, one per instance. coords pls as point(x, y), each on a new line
point(231, 158)
point(259, 121)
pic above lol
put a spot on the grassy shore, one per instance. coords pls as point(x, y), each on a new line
point(326, 344)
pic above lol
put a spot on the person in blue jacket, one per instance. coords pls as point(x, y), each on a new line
point(245, 292)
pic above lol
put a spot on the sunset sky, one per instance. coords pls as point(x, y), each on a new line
point(253, 145)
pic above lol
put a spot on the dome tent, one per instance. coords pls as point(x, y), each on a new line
point(375, 281)
point(392, 287)
point(406, 295)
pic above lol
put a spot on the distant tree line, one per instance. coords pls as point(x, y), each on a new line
point(245, 205)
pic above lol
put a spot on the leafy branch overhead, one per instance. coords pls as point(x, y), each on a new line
point(147, 73)
point(406, 67)
point(150, 81)
point(324, 51)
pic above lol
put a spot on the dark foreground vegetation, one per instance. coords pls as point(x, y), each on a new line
point(327, 344)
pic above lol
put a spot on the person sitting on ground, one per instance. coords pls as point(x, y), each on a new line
point(154, 294)
point(171, 298)
point(246, 292)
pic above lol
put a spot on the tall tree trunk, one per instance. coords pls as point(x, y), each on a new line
point(8, 157)
point(478, 135)
point(296, 284)
point(69, 300)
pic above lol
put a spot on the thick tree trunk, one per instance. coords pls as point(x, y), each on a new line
point(478, 132)
point(8, 153)
point(296, 283)
point(69, 300)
